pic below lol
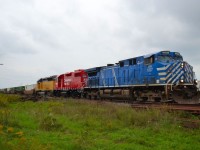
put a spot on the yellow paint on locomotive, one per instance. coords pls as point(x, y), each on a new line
point(45, 86)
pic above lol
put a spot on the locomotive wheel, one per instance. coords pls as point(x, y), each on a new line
point(183, 97)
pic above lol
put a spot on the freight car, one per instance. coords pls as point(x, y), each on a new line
point(19, 90)
point(45, 85)
point(160, 76)
point(14, 90)
point(3, 90)
point(7, 90)
point(29, 89)
point(70, 84)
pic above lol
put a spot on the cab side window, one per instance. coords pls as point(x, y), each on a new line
point(149, 60)
point(132, 61)
point(121, 64)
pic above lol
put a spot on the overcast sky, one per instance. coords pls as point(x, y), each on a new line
point(40, 38)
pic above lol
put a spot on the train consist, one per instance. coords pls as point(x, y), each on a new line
point(161, 76)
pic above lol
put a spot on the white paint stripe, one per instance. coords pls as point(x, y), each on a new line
point(159, 69)
point(162, 73)
point(163, 68)
point(177, 66)
point(174, 65)
point(190, 68)
point(189, 76)
point(102, 76)
point(187, 68)
point(188, 72)
point(187, 79)
point(163, 79)
point(174, 75)
point(174, 72)
point(169, 74)
point(177, 77)
point(113, 71)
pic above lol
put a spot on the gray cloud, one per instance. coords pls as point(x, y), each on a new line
point(44, 37)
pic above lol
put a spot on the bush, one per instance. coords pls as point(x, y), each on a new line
point(49, 123)
point(7, 118)
point(13, 139)
point(6, 99)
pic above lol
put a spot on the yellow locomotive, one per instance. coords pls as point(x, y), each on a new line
point(45, 85)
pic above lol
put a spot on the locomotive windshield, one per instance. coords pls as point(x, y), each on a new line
point(168, 58)
point(178, 58)
point(164, 58)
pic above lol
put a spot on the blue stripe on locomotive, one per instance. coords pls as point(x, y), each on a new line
point(137, 71)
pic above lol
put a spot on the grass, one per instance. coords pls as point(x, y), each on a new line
point(78, 124)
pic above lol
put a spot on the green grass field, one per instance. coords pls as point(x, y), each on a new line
point(78, 124)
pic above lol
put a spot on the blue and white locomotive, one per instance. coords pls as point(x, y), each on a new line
point(160, 76)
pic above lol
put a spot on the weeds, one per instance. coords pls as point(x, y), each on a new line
point(10, 137)
point(50, 123)
point(7, 118)
point(6, 99)
point(78, 124)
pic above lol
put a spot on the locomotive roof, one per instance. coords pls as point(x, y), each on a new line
point(95, 69)
point(47, 78)
point(75, 71)
point(148, 55)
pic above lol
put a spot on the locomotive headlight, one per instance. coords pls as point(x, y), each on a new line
point(181, 80)
point(182, 65)
point(195, 81)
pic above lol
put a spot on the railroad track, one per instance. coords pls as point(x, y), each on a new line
point(170, 105)
point(194, 109)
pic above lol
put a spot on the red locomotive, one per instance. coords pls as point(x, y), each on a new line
point(71, 84)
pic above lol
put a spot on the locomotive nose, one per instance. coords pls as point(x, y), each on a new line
point(178, 72)
point(188, 74)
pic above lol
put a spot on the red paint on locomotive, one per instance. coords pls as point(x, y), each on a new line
point(71, 81)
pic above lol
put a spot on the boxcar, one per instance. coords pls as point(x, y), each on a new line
point(2, 90)
point(15, 90)
point(30, 89)
point(19, 89)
